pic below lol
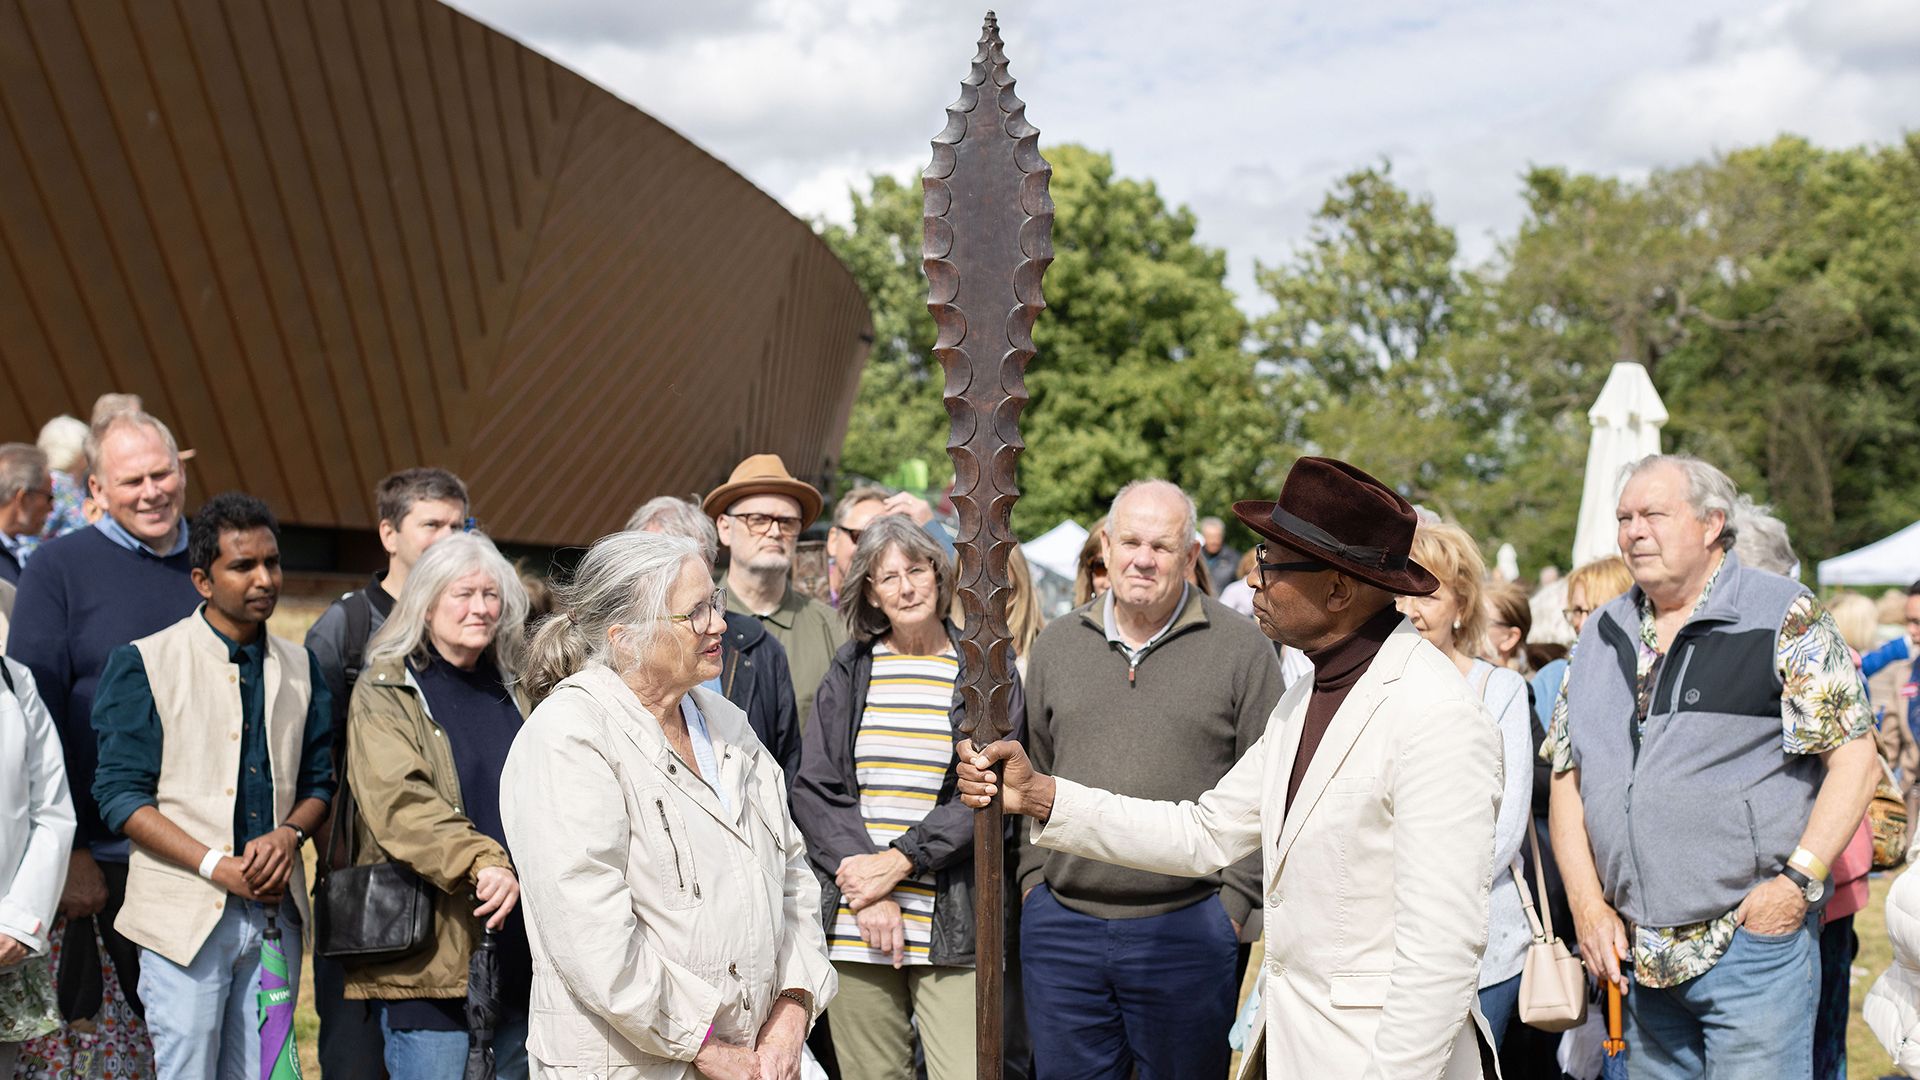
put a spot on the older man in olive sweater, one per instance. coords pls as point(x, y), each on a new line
point(1152, 690)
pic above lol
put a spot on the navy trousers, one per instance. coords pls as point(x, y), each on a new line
point(1107, 997)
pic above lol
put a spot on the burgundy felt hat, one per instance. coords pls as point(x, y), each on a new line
point(1330, 511)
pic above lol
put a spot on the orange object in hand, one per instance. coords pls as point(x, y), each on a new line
point(1614, 1043)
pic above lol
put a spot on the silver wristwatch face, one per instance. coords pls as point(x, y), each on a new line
point(1814, 891)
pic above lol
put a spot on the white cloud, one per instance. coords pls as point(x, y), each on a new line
point(1247, 111)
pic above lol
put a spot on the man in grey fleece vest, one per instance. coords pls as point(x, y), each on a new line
point(1711, 760)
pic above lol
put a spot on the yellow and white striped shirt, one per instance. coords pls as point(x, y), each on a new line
point(901, 757)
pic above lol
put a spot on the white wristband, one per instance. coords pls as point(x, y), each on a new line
point(207, 864)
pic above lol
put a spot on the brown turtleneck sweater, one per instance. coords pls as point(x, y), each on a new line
point(1336, 669)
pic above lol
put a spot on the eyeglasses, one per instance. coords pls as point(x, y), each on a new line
point(45, 493)
point(703, 612)
point(921, 576)
point(761, 524)
point(1575, 614)
point(853, 535)
point(1303, 567)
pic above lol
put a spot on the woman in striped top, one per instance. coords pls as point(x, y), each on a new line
point(876, 801)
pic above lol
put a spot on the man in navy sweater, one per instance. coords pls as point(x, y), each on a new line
point(86, 594)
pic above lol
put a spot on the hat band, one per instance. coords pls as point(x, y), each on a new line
point(1314, 534)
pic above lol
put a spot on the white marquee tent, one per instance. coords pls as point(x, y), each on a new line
point(1892, 561)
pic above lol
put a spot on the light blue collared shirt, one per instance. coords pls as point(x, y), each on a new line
point(702, 741)
point(113, 531)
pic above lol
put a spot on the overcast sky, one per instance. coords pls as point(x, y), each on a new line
point(1247, 111)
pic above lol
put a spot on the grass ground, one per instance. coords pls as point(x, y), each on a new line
point(1865, 1058)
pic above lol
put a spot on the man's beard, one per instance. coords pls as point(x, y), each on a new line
point(768, 561)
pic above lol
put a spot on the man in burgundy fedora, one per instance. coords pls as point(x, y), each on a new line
point(1371, 799)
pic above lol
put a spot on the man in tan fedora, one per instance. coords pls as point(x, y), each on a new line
point(1371, 798)
point(760, 513)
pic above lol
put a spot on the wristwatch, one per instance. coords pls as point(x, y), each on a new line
point(1810, 888)
point(299, 834)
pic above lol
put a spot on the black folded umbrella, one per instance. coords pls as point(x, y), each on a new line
point(483, 1008)
point(79, 984)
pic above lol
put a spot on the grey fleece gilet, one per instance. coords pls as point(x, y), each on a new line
point(1711, 804)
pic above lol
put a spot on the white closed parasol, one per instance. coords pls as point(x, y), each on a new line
point(1626, 427)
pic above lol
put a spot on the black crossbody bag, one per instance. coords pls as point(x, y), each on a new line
point(368, 914)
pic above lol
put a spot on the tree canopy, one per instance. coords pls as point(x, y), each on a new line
point(1773, 294)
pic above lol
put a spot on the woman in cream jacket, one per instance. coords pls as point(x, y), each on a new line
point(674, 921)
point(36, 832)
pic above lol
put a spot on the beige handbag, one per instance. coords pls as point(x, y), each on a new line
point(1553, 985)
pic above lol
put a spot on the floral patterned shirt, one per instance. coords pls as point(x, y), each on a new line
point(1823, 704)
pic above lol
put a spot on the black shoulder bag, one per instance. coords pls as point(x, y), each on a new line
point(366, 914)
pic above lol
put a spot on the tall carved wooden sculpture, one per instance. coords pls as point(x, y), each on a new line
point(988, 240)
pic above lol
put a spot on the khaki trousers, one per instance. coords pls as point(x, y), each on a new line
point(871, 1036)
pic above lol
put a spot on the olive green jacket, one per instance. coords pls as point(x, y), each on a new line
point(811, 632)
point(404, 783)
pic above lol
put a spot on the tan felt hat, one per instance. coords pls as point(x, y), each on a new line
point(764, 474)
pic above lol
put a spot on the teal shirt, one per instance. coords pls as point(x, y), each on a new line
point(130, 734)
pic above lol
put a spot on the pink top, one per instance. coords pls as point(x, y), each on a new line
point(1850, 876)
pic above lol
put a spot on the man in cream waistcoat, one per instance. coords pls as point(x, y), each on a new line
point(214, 761)
point(1371, 797)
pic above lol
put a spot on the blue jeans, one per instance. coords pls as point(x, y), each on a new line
point(1751, 1014)
point(1498, 1003)
point(205, 1017)
point(421, 1054)
point(1107, 996)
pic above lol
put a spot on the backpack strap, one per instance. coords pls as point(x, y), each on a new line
point(359, 612)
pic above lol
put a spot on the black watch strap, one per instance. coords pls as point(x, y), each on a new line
point(299, 834)
point(1800, 880)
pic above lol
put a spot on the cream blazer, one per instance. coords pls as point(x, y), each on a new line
point(652, 910)
point(1376, 884)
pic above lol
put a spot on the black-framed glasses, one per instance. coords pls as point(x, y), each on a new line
point(761, 524)
point(853, 535)
point(702, 614)
point(1574, 615)
point(1304, 566)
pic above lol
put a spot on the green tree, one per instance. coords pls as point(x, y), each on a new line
point(1771, 293)
point(1366, 350)
point(1139, 368)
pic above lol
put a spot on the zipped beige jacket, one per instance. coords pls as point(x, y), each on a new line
point(655, 910)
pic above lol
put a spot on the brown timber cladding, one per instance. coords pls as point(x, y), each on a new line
point(325, 239)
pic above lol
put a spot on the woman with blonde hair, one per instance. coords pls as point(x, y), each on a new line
point(1024, 618)
point(433, 715)
point(1454, 619)
point(674, 922)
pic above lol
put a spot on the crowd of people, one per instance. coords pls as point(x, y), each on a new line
point(696, 821)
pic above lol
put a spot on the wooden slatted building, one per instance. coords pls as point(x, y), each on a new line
point(325, 239)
